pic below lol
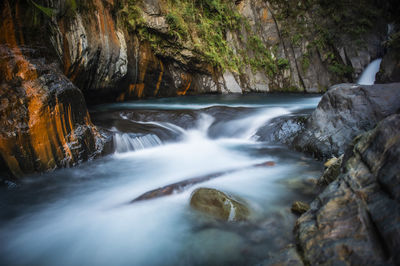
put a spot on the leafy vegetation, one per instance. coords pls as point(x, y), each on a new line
point(340, 69)
point(202, 26)
point(39, 11)
point(49, 12)
point(209, 22)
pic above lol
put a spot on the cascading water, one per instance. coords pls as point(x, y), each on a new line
point(130, 142)
point(82, 215)
point(368, 76)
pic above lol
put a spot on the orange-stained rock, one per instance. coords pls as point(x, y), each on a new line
point(44, 122)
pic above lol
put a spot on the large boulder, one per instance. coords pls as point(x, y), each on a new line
point(282, 129)
point(356, 219)
point(218, 204)
point(344, 112)
point(44, 122)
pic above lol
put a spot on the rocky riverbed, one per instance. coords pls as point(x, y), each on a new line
point(199, 180)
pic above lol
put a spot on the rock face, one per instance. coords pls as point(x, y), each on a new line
point(344, 112)
point(218, 205)
point(356, 219)
point(44, 122)
point(92, 49)
point(390, 66)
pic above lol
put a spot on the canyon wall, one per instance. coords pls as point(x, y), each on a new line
point(118, 50)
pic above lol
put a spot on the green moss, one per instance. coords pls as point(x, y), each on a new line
point(283, 63)
point(132, 14)
point(202, 26)
point(305, 61)
point(340, 69)
point(296, 39)
point(199, 25)
point(177, 25)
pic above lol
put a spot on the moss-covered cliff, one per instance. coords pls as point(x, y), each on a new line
point(126, 49)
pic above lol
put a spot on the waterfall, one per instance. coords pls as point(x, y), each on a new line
point(130, 142)
point(368, 76)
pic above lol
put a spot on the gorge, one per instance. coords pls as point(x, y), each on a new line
point(180, 132)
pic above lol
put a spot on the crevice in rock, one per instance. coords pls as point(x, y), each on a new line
point(375, 233)
point(5, 172)
point(282, 41)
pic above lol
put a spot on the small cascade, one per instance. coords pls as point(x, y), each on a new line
point(368, 76)
point(124, 142)
point(246, 127)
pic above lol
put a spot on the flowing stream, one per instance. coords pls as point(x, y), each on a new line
point(82, 215)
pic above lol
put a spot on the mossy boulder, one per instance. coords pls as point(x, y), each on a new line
point(300, 207)
point(331, 172)
point(218, 205)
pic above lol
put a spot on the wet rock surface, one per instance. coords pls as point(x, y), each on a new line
point(356, 218)
point(282, 129)
point(43, 117)
point(218, 204)
point(344, 112)
point(44, 122)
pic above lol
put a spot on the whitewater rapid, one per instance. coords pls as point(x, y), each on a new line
point(81, 216)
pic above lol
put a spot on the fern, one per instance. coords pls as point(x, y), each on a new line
point(45, 10)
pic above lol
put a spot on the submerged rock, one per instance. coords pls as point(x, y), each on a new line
point(185, 184)
point(287, 257)
point(303, 186)
point(355, 220)
point(218, 204)
point(344, 112)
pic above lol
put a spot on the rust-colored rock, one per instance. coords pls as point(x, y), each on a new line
point(44, 122)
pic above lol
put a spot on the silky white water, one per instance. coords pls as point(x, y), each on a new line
point(368, 76)
point(81, 216)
